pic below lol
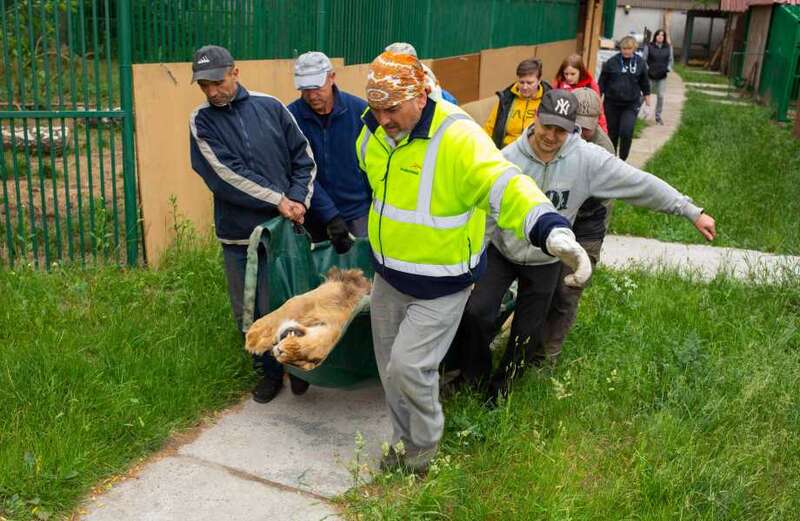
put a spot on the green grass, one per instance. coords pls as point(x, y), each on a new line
point(7, 168)
point(693, 75)
point(672, 401)
point(737, 164)
point(99, 366)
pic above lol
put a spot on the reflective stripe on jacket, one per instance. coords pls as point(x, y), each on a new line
point(250, 153)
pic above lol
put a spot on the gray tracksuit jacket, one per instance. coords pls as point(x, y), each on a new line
point(579, 171)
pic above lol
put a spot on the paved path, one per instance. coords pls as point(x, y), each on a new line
point(696, 85)
point(732, 102)
point(705, 261)
point(286, 459)
point(279, 461)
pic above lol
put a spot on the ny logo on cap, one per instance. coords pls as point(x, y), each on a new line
point(562, 107)
point(203, 59)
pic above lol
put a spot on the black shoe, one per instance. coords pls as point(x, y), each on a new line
point(659, 120)
point(412, 461)
point(391, 461)
point(266, 389)
point(298, 385)
point(496, 390)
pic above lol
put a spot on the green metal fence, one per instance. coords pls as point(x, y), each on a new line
point(169, 30)
point(66, 161)
point(67, 168)
point(781, 72)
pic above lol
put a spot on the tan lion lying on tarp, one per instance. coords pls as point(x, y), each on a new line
point(305, 328)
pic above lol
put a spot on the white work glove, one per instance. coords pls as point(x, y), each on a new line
point(561, 243)
point(645, 112)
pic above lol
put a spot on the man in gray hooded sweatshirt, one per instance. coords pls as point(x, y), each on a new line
point(569, 171)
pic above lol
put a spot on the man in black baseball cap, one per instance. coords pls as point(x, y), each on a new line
point(214, 71)
point(254, 158)
point(555, 121)
point(569, 171)
point(211, 63)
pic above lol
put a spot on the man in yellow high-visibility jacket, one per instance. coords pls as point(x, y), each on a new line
point(434, 175)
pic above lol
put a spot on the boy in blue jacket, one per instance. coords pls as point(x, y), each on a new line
point(250, 152)
point(331, 120)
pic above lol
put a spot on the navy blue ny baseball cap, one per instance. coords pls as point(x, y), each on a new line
point(560, 108)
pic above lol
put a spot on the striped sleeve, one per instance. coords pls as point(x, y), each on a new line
point(301, 158)
point(224, 173)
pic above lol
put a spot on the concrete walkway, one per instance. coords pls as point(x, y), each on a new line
point(287, 459)
point(720, 86)
point(704, 261)
point(279, 461)
point(654, 136)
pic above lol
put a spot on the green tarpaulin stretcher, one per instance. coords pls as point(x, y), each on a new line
point(295, 266)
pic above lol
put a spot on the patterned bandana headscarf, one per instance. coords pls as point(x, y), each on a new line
point(394, 78)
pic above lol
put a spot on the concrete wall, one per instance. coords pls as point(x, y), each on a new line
point(638, 18)
point(164, 100)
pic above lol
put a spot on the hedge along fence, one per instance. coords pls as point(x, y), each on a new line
point(357, 30)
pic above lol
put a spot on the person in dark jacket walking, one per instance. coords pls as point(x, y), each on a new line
point(623, 82)
point(331, 120)
point(253, 157)
point(659, 58)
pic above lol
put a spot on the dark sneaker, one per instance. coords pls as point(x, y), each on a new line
point(498, 388)
point(298, 385)
point(417, 461)
point(266, 389)
point(659, 120)
point(413, 461)
point(391, 461)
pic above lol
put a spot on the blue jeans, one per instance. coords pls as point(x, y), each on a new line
point(235, 258)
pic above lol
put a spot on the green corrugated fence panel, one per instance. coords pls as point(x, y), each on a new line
point(459, 28)
point(781, 70)
point(609, 13)
point(168, 30)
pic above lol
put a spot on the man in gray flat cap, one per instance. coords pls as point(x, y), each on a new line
point(250, 152)
point(331, 120)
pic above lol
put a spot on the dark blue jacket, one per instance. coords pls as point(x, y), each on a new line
point(624, 81)
point(340, 187)
point(250, 153)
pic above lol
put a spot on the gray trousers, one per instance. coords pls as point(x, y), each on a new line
point(235, 257)
point(658, 88)
point(411, 337)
